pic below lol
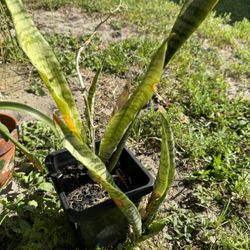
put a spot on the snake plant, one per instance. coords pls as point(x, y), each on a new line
point(73, 130)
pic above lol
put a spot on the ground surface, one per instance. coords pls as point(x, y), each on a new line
point(205, 89)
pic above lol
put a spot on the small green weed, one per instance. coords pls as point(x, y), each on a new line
point(39, 138)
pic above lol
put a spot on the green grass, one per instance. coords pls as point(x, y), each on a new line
point(116, 58)
point(211, 130)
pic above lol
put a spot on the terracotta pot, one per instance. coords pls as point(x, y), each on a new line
point(7, 149)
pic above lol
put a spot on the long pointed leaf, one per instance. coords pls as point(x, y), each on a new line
point(44, 60)
point(92, 91)
point(191, 16)
point(5, 133)
point(100, 173)
point(165, 175)
point(5, 105)
point(120, 122)
point(116, 155)
point(90, 105)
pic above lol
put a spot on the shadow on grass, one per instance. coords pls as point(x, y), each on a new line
point(239, 9)
point(28, 227)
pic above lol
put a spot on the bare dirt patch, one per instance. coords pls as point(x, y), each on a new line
point(73, 21)
point(239, 88)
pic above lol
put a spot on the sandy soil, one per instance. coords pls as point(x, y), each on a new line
point(70, 20)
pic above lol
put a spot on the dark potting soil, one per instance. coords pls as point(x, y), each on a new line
point(82, 192)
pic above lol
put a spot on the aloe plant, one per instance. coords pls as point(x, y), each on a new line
point(73, 130)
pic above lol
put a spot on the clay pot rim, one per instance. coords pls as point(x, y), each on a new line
point(7, 145)
point(10, 116)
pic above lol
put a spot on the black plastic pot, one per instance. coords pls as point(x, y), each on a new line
point(102, 225)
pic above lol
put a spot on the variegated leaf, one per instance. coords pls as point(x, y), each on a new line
point(165, 175)
point(6, 105)
point(43, 58)
point(191, 16)
point(121, 121)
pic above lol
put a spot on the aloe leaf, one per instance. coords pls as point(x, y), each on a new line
point(121, 121)
point(6, 134)
point(43, 58)
point(90, 105)
point(100, 174)
point(28, 110)
point(165, 175)
point(190, 17)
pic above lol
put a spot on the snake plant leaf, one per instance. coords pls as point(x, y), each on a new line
point(6, 105)
point(90, 105)
point(116, 155)
point(154, 228)
point(6, 134)
point(190, 17)
point(92, 91)
point(100, 174)
point(165, 175)
point(121, 121)
point(43, 58)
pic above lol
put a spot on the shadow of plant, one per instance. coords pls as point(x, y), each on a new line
point(34, 220)
point(239, 9)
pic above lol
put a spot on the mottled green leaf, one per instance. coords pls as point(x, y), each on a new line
point(121, 121)
point(90, 106)
point(191, 16)
point(165, 175)
point(42, 57)
point(5, 105)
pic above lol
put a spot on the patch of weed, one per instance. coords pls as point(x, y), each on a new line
point(38, 138)
point(48, 4)
point(116, 58)
point(34, 218)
